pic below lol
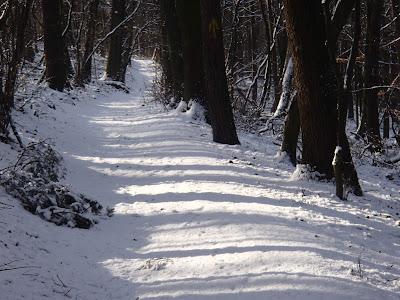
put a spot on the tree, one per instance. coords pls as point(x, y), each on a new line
point(173, 48)
point(315, 82)
point(291, 132)
point(121, 38)
point(83, 68)
point(344, 166)
point(13, 25)
point(193, 69)
point(54, 45)
point(114, 58)
point(370, 114)
point(220, 109)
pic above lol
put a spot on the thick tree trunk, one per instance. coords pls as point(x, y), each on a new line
point(86, 69)
point(315, 82)
point(220, 109)
point(173, 35)
point(114, 59)
point(189, 15)
point(370, 113)
point(54, 45)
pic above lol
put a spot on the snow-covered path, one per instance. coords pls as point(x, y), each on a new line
point(195, 219)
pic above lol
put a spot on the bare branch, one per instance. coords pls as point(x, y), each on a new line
point(127, 19)
point(69, 18)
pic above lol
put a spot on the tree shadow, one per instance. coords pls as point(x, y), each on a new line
point(199, 220)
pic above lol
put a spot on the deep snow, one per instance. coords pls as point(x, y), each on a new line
point(193, 219)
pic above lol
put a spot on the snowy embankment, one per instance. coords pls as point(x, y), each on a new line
point(193, 219)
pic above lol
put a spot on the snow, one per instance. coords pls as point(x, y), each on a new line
point(335, 160)
point(193, 219)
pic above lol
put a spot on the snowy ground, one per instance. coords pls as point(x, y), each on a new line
point(193, 219)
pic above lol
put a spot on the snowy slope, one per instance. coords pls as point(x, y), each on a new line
point(193, 219)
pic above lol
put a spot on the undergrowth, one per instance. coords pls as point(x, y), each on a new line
point(34, 180)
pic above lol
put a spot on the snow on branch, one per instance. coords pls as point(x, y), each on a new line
point(34, 180)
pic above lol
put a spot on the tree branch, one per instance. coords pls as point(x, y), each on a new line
point(127, 19)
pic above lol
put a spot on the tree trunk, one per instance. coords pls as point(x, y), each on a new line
point(219, 104)
point(370, 114)
point(13, 27)
point(166, 76)
point(284, 100)
point(114, 59)
point(345, 172)
point(291, 131)
point(189, 15)
point(315, 82)
point(86, 63)
point(174, 48)
point(346, 168)
point(253, 46)
point(128, 38)
point(273, 58)
point(54, 45)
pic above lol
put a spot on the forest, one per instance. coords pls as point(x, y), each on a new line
point(236, 55)
point(109, 108)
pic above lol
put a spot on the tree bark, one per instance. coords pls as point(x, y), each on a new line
point(54, 45)
point(114, 58)
point(291, 132)
point(189, 15)
point(174, 48)
point(347, 169)
point(13, 25)
point(370, 115)
point(166, 76)
point(253, 46)
point(220, 108)
point(273, 58)
point(89, 43)
point(315, 82)
point(284, 100)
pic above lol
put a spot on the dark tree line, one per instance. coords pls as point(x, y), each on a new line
point(308, 65)
point(13, 26)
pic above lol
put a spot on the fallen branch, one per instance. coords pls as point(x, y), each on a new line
point(16, 268)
